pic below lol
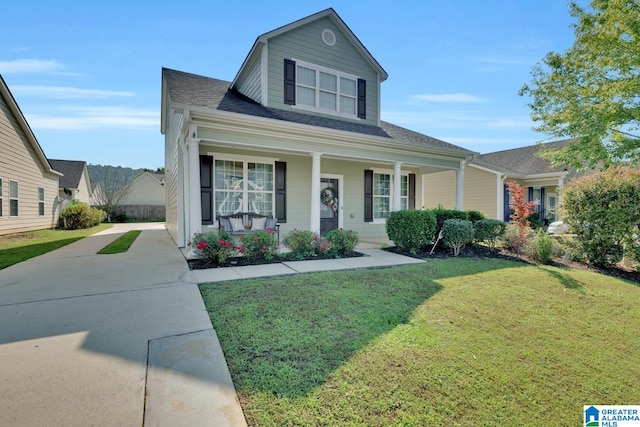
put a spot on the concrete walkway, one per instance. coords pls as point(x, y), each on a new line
point(124, 339)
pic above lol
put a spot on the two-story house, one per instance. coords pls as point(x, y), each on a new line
point(296, 135)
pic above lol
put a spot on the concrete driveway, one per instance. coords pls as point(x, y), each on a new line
point(110, 340)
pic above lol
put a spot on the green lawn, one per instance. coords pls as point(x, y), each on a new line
point(455, 342)
point(121, 244)
point(15, 248)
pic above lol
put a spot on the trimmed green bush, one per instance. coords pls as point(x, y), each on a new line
point(411, 230)
point(78, 215)
point(489, 231)
point(475, 216)
point(542, 247)
point(456, 233)
point(342, 242)
point(259, 244)
point(300, 243)
point(444, 214)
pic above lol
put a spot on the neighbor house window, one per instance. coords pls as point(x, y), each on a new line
point(13, 198)
point(41, 201)
point(326, 90)
point(243, 186)
point(383, 194)
point(1, 199)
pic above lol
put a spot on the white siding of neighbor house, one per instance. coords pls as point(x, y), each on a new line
point(20, 162)
point(145, 190)
point(305, 44)
point(84, 187)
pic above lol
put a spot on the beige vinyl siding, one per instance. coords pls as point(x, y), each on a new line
point(440, 190)
point(305, 44)
point(145, 190)
point(19, 162)
point(84, 188)
point(480, 192)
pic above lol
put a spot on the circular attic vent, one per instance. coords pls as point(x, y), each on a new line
point(328, 37)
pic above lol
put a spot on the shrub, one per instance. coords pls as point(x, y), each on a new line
point(475, 216)
point(603, 210)
point(411, 230)
point(489, 231)
point(213, 247)
point(457, 233)
point(77, 215)
point(120, 217)
point(542, 247)
point(515, 238)
point(442, 215)
point(260, 244)
point(300, 243)
point(343, 242)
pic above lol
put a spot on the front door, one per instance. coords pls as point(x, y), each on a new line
point(329, 205)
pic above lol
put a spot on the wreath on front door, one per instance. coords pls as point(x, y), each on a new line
point(328, 198)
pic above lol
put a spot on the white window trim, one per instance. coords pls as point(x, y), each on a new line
point(317, 108)
point(44, 197)
point(244, 159)
point(391, 173)
point(14, 198)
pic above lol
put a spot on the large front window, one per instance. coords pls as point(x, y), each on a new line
point(383, 194)
point(243, 186)
point(326, 90)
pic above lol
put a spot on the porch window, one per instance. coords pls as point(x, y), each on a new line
point(383, 194)
point(13, 198)
point(41, 201)
point(243, 186)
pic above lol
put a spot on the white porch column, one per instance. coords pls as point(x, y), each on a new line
point(315, 193)
point(397, 188)
point(195, 210)
point(460, 187)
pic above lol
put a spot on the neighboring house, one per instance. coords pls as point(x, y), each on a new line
point(75, 179)
point(296, 135)
point(484, 182)
point(145, 198)
point(28, 182)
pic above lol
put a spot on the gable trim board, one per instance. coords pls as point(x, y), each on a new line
point(202, 116)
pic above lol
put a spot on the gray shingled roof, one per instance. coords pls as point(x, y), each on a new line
point(194, 90)
point(523, 161)
point(71, 170)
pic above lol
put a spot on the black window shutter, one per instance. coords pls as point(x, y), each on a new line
point(412, 191)
point(362, 99)
point(289, 82)
point(281, 192)
point(368, 196)
point(206, 189)
point(542, 203)
point(530, 196)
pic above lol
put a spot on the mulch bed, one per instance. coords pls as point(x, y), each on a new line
point(197, 264)
point(476, 251)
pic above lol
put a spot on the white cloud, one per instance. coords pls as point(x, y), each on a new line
point(96, 118)
point(31, 66)
point(59, 92)
point(450, 98)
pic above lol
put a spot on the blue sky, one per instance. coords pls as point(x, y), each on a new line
point(87, 74)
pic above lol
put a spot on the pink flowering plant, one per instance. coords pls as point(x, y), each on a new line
point(214, 247)
point(260, 244)
point(301, 243)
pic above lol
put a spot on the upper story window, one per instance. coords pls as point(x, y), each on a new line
point(315, 88)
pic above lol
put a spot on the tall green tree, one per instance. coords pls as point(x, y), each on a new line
point(592, 91)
